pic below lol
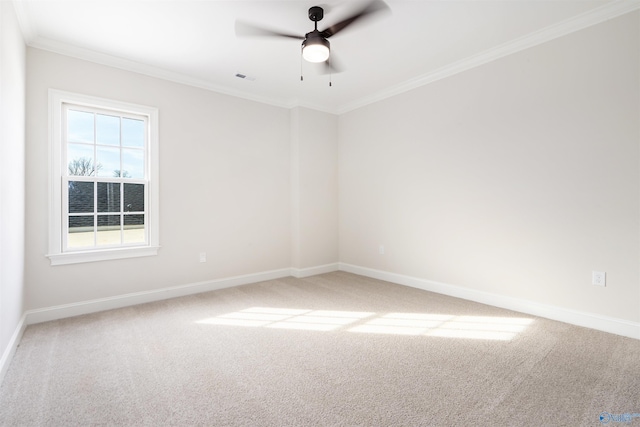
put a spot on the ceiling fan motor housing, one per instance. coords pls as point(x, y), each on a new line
point(316, 13)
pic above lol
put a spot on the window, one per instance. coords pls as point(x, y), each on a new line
point(104, 185)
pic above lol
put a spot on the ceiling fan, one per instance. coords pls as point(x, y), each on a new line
point(315, 44)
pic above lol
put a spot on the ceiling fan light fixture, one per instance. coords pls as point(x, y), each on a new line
point(315, 49)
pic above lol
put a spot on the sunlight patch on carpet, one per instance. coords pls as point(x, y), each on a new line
point(441, 325)
point(284, 318)
point(417, 324)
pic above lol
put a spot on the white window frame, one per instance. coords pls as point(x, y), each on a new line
point(57, 178)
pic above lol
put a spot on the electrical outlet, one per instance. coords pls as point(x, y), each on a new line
point(599, 278)
point(203, 257)
point(381, 249)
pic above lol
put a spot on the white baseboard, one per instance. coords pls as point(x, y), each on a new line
point(119, 301)
point(10, 350)
point(589, 320)
point(312, 271)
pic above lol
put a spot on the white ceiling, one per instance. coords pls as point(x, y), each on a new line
point(194, 42)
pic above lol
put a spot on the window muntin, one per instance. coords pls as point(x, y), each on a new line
point(106, 180)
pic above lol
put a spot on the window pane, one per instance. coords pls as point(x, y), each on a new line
point(108, 230)
point(80, 197)
point(132, 133)
point(79, 126)
point(108, 161)
point(107, 129)
point(80, 160)
point(134, 197)
point(108, 197)
point(134, 229)
point(132, 163)
point(80, 231)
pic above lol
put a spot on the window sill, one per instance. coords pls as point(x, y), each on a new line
point(102, 255)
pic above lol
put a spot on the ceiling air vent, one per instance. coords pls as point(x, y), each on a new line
point(245, 77)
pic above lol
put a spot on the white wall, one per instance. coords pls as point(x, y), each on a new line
point(517, 178)
point(314, 152)
point(224, 176)
point(12, 181)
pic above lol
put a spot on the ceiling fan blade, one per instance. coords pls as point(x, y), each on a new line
point(332, 65)
point(245, 29)
point(370, 8)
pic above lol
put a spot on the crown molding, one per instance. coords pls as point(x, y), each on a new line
point(150, 70)
point(29, 33)
point(571, 25)
point(595, 16)
point(153, 71)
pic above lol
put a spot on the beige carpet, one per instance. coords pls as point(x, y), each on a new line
point(330, 350)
